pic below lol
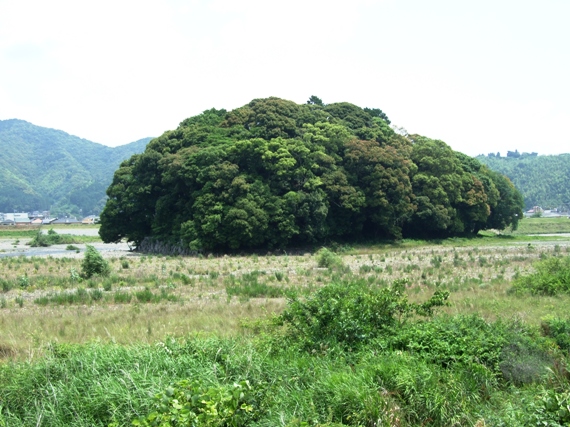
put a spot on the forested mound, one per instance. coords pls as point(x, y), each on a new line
point(274, 173)
point(543, 180)
point(42, 168)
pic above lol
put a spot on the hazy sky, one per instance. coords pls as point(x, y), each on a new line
point(484, 76)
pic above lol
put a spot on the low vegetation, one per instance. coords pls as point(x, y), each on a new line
point(551, 277)
point(543, 226)
point(390, 335)
point(50, 238)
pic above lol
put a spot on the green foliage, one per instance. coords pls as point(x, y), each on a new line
point(94, 264)
point(352, 313)
point(446, 340)
point(274, 174)
point(559, 330)
point(191, 403)
point(406, 378)
point(552, 408)
point(551, 277)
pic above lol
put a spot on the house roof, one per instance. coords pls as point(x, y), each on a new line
point(66, 221)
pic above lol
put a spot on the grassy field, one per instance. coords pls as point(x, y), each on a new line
point(216, 311)
point(543, 226)
point(26, 235)
point(147, 297)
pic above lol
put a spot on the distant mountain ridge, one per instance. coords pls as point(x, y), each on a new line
point(43, 168)
point(543, 180)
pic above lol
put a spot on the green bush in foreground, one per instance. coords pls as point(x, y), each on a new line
point(352, 313)
point(559, 330)
point(551, 277)
point(350, 355)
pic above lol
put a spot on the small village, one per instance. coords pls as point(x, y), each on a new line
point(38, 218)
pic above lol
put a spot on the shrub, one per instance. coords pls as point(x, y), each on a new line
point(352, 313)
point(446, 340)
point(39, 240)
point(328, 259)
point(250, 287)
point(551, 277)
point(93, 263)
point(523, 361)
point(509, 350)
point(559, 330)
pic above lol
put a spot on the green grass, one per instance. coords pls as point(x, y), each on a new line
point(449, 371)
point(8, 232)
point(543, 226)
point(94, 352)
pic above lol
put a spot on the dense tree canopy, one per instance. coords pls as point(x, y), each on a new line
point(274, 173)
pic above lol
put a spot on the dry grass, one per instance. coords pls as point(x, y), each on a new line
point(478, 278)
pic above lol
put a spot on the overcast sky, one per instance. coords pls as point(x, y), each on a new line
point(484, 76)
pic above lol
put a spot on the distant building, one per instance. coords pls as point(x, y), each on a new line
point(91, 219)
point(68, 220)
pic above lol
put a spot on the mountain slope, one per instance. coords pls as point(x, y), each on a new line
point(543, 180)
point(42, 168)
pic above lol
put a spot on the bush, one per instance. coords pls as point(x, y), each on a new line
point(39, 240)
point(94, 264)
point(352, 313)
point(551, 277)
point(447, 340)
point(559, 330)
point(328, 259)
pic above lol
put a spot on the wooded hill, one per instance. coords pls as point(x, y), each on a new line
point(42, 168)
point(274, 173)
point(543, 180)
